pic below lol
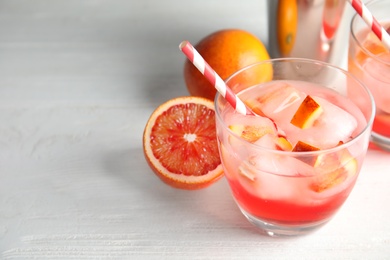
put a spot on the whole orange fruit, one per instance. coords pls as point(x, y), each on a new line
point(226, 51)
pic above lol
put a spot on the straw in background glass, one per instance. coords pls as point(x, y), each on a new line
point(370, 20)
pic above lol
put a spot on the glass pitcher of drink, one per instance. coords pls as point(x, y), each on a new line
point(306, 29)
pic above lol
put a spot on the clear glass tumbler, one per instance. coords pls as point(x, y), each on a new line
point(369, 60)
point(283, 190)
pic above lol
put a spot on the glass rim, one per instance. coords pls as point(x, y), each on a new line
point(366, 128)
point(356, 18)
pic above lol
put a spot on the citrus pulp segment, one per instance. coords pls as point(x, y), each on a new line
point(307, 113)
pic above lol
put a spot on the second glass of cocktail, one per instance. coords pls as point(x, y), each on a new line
point(369, 60)
point(292, 167)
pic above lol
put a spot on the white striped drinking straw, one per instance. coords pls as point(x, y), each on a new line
point(370, 20)
point(194, 56)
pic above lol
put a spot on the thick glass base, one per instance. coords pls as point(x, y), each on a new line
point(280, 230)
point(380, 141)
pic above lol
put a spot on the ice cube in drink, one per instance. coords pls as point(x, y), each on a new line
point(282, 100)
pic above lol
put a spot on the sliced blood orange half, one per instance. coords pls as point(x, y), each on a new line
point(180, 143)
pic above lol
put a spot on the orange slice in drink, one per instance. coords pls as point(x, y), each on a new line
point(305, 147)
point(251, 133)
point(335, 168)
point(180, 144)
point(283, 144)
point(373, 45)
point(307, 113)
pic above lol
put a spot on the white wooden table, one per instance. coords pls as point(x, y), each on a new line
point(78, 81)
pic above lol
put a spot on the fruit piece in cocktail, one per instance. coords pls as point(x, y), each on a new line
point(370, 61)
point(291, 166)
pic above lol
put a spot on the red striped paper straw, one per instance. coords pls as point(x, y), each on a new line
point(370, 20)
point(194, 56)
